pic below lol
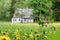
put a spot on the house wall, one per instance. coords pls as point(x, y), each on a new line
point(16, 20)
point(19, 20)
point(27, 20)
point(31, 20)
point(27, 14)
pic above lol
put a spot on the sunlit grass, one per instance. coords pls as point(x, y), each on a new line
point(27, 27)
point(56, 24)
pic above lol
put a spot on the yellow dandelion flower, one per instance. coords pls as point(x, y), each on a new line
point(18, 38)
point(37, 35)
point(4, 33)
point(4, 38)
point(45, 36)
point(15, 33)
point(30, 35)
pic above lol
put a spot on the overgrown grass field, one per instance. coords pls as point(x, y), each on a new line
point(27, 31)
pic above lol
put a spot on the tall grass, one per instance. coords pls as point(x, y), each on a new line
point(28, 28)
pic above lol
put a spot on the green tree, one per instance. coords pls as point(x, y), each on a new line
point(12, 10)
point(4, 9)
point(57, 11)
point(41, 8)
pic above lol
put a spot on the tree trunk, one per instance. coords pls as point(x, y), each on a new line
point(11, 8)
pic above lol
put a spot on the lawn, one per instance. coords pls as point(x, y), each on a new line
point(56, 35)
point(27, 31)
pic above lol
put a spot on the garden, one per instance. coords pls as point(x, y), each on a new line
point(29, 19)
point(28, 31)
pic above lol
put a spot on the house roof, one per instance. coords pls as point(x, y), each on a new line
point(27, 12)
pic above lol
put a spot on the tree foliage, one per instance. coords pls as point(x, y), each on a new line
point(41, 8)
point(57, 11)
point(4, 9)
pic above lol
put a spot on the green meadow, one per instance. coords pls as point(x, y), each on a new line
point(28, 31)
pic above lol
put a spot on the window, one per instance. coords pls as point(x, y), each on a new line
point(19, 19)
point(24, 19)
point(14, 19)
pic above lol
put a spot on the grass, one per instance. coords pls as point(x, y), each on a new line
point(55, 36)
point(26, 28)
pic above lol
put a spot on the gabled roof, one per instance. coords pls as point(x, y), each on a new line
point(27, 12)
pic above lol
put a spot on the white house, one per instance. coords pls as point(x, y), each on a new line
point(26, 15)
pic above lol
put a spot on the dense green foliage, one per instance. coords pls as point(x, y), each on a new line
point(57, 11)
point(4, 9)
point(41, 8)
